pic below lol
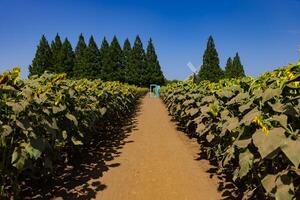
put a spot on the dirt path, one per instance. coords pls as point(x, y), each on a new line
point(157, 163)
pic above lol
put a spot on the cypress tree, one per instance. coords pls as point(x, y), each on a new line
point(137, 64)
point(153, 72)
point(42, 59)
point(80, 60)
point(210, 69)
point(238, 67)
point(92, 60)
point(126, 59)
point(229, 71)
point(57, 57)
point(68, 57)
point(112, 69)
point(104, 60)
point(116, 58)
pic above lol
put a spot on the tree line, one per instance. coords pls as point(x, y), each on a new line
point(110, 62)
point(211, 70)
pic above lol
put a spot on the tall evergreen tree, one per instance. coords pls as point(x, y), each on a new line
point(104, 60)
point(238, 67)
point(57, 57)
point(126, 58)
point(153, 73)
point(112, 69)
point(68, 58)
point(116, 58)
point(92, 60)
point(80, 60)
point(210, 69)
point(229, 71)
point(42, 59)
point(137, 64)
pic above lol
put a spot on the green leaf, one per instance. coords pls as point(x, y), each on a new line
point(7, 130)
point(65, 134)
point(200, 128)
point(229, 155)
point(32, 152)
point(277, 107)
point(268, 143)
point(282, 119)
point(208, 99)
point(225, 93)
point(18, 158)
point(270, 93)
point(232, 123)
point(193, 111)
point(245, 161)
point(188, 102)
point(210, 137)
point(291, 148)
point(268, 182)
point(72, 118)
point(57, 109)
point(242, 143)
point(238, 98)
point(103, 111)
point(16, 107)
point(248, 118)
point(284, 188)
point(245, 107)
point(75, 141)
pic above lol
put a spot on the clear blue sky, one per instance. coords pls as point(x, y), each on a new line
point(266, 33)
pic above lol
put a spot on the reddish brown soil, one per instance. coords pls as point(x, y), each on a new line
point(157, 162)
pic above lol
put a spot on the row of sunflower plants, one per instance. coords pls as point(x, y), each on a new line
point(47, 119)
point(250, 127)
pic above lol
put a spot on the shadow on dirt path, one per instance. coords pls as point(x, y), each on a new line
point(81, 178)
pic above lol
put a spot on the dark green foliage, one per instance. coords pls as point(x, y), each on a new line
point(104, 59)
point(80, 61)
point(126, 58)
point(229, 71)
point(110, 63)
point(153, 73)
point(57, 57)
point(112, 68)
point(42, 60)
point(210, 69)
point(137, 64)
point(234, 68)
point(238, 67)
point(92, 60)
point(68, 57)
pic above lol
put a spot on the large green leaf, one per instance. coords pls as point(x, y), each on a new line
point(269, 182)
point(281, 119)
point(200, 128)
point(270, 93)
point(16, 107)
point(291, 148)
point(277, 107)
point(245, 107)
point(284, 188)
point(193, 111)
point(246, 162)
point(76, 141)
point(248, 118)
point(19, 158)
point(268, 143)
point(72, 118)
point(232, 123)
point(188, 102)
